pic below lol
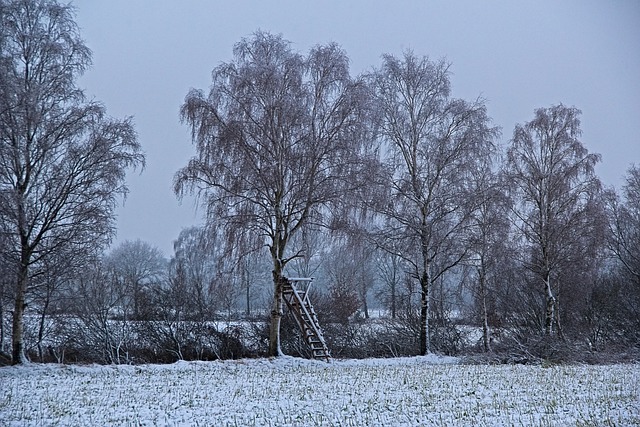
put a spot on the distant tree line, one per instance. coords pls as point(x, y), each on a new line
point(424, 232)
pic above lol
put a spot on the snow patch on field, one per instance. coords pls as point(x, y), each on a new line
point(287, 391)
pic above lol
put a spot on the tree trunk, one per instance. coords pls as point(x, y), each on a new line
point(425, 342)
point(2, 316)
point(557, 316)
point(425, 287)
point(18, 355)
point(486, 339)
point(41, 327)
point(136, 296)
point(276, 312)
point(550, 308)
point(248, 294)
point(365, 305)
point(393, 299)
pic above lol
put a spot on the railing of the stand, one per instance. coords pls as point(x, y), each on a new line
point(303, 281)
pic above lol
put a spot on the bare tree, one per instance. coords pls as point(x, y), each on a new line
point(488, 243)
point(390, 271)
point(351, 268)
point(276, 139)
point(193, 269)
point(7, 274)
point(50, 290)
point(139, 267)
point(62, 160)
point(616, 303)
point(430, 144)
point(555, 189)
point(625, 223)
point(250, 272)
point(342, 300)
point(102, 308)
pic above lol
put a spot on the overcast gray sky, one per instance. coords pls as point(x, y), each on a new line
point(519, 55)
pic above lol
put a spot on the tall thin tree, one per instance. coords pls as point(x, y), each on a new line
point(488, 239)
point(554, 189)
point(624, 223)
point(430, 144)
point(62, 160)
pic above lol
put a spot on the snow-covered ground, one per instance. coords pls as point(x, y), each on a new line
point(421, 391)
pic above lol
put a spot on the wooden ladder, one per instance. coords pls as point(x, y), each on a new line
point(296, 296)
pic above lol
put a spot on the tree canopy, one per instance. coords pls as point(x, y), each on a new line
point(277, 139)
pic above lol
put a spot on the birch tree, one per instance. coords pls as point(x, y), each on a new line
point(619, 298)
point(625, 224)
point(554, 188)
point(7, 276)
point(101, 307)
point(276, 139)
point(193, 269)
point(430, 144)
point(62, 160)
point(488, 244)
point(390, 271)
point(139, 267)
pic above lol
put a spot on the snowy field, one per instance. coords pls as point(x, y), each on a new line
point(423, 391)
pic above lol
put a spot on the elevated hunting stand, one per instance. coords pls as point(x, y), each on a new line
point(296, 296)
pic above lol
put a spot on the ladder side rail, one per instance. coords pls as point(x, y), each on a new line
point(303, 325)
point(296, 310)
point(306, 293)
point(306, 317)
point(312, 319)
point(305, 281)
point(301, 322)
point(308, 282)
point(298, 319)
